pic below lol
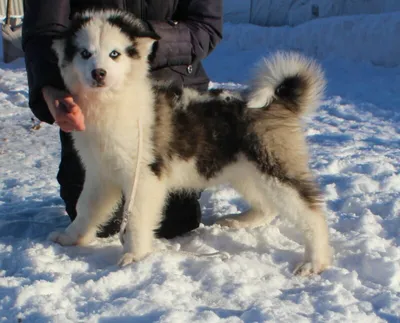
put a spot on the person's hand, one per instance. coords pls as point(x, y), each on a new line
point(66, 113)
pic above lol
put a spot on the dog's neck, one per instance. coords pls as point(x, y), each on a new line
point(119, 114)
point(135, 97)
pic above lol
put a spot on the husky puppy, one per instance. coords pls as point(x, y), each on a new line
point(163, 138)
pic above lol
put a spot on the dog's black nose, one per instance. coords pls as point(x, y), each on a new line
point(99, 74)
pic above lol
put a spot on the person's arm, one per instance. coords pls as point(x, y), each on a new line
point(192, 34)
point(43, 19)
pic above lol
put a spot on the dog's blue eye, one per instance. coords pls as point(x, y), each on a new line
point(114, 54)
point(85, 54)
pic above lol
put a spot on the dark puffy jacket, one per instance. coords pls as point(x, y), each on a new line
point(177, 55)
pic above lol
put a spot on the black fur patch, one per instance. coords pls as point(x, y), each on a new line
point(132, 52)
point(216, 92)
point(157, 166)
point(210, 132)
point(290, 90)
point(70, 47)
point(307, 189)
point(257, 153)
point(267, 163)
point(168, 89)
point(131, 30)
point(173, 93)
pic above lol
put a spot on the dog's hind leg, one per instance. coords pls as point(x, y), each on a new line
point(310, 219)
point(95, 205)
point(261, 211)
point(143, 218)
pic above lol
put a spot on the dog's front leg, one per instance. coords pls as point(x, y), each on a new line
point(95, 205)
point(144, 216)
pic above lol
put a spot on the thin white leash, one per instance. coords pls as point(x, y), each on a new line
point(220, 254)
point(128, 210)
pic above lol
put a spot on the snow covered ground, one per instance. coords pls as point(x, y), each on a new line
point(371, 38)
point(355, 145)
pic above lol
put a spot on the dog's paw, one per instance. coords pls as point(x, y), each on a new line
point(250, 219)
point(127, 259)
point(62, 238)
point(308, 268)
point(303, 269)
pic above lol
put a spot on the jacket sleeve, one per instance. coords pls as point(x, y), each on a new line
point(43, 19)
point(193, 33)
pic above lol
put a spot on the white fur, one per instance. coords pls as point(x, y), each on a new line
point(108, 146)
point(272, 71)
point(268, 198)
point(108, 149)
point(189, 95)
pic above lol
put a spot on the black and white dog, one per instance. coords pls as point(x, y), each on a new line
point(145, 140)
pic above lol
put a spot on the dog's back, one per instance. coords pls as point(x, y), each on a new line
point(215, 129)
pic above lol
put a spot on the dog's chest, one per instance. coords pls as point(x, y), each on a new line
point(109, 150)
point(109, 145)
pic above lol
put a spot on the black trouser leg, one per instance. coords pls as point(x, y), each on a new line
point(71, 175)
point(182, 213)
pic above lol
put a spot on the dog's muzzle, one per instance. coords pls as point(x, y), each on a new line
point(99, 76)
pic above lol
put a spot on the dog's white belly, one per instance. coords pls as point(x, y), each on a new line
point(184, 175)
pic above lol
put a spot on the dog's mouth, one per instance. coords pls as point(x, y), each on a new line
point(96, 84)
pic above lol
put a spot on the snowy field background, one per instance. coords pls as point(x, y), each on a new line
point(355, 146)
point(292, 13)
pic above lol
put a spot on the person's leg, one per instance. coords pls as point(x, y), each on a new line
point(71, 175)
point(182, 213)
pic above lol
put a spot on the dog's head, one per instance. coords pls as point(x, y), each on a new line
point(102, 49)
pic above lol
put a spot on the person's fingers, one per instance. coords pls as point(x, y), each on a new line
point(77, 119)
point(74, 112)
point(71, 121)
point(71, 113)
point(66, 113)
point(80, 122)
point(66, 126)
point(69, 104)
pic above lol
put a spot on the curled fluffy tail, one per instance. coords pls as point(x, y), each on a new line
point(298, 82)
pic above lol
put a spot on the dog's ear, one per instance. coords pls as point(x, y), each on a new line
point(59, 48)
point(145, 42)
